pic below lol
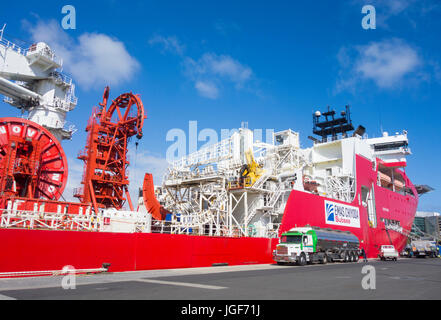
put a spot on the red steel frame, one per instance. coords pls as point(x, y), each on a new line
point(105, 157)
point(151, 203)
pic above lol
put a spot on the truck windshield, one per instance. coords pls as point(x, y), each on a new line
point(291, 239)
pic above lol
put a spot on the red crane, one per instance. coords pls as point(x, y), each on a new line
point(105, 181)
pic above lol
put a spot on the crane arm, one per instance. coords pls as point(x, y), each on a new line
point(15, 91)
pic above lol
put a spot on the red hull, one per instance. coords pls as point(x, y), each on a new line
point(38, 250)
point(305, 208)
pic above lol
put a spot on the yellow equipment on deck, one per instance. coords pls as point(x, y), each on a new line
point(250, 172)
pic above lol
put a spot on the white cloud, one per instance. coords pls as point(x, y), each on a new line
point(207, 89)
point(93, 59)
point(388, 63)
point(170, 44)
point(226, 66)
point(211, 69)
point(102, 59)
point(221, 66)
point(394, 7)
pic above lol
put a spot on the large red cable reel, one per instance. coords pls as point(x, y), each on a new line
point(105, 178)
point(32, 161)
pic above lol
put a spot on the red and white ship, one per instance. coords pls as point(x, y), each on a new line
point(224, 204)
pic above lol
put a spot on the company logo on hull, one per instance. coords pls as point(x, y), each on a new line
point(342, 215)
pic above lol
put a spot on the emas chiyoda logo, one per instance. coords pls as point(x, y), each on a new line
point(329, 212)
point(342, 215)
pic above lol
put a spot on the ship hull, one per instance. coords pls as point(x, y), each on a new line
point(42, 250)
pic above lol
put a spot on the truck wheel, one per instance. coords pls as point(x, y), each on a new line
point(357, 258)
point(324, 260)
point(302, 260)
point(346, 257)
point(352, 257)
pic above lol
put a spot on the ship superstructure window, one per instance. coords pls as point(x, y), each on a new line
point(390, 146)
point(392, 179)
point(391, 222)
point(408, 192)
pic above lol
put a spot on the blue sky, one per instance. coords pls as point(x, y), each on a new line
point(270, 63)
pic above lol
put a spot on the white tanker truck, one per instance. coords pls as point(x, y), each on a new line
point(313, 244)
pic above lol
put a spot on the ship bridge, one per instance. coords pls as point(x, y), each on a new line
point(392, 150)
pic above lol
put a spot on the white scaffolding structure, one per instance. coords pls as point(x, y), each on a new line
point(106, 220)
point(203, 192)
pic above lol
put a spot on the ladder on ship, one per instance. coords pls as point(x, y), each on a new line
point(412, 235)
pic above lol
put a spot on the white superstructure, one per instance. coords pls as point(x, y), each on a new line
point(31, 81)
point(204, 188)
point(205, 193)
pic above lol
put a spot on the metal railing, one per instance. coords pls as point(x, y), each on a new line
point(88, 221)
point(50, 221)
point(214, 153)
point(8, 44)
point(61, 77)
point(46, 52)
point(169, 227)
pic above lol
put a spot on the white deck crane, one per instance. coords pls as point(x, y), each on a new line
point(31, 81)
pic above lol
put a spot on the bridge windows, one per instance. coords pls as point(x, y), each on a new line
point(391, 222)
point(391, 179)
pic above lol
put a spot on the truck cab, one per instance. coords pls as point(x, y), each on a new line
point(293, 247)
